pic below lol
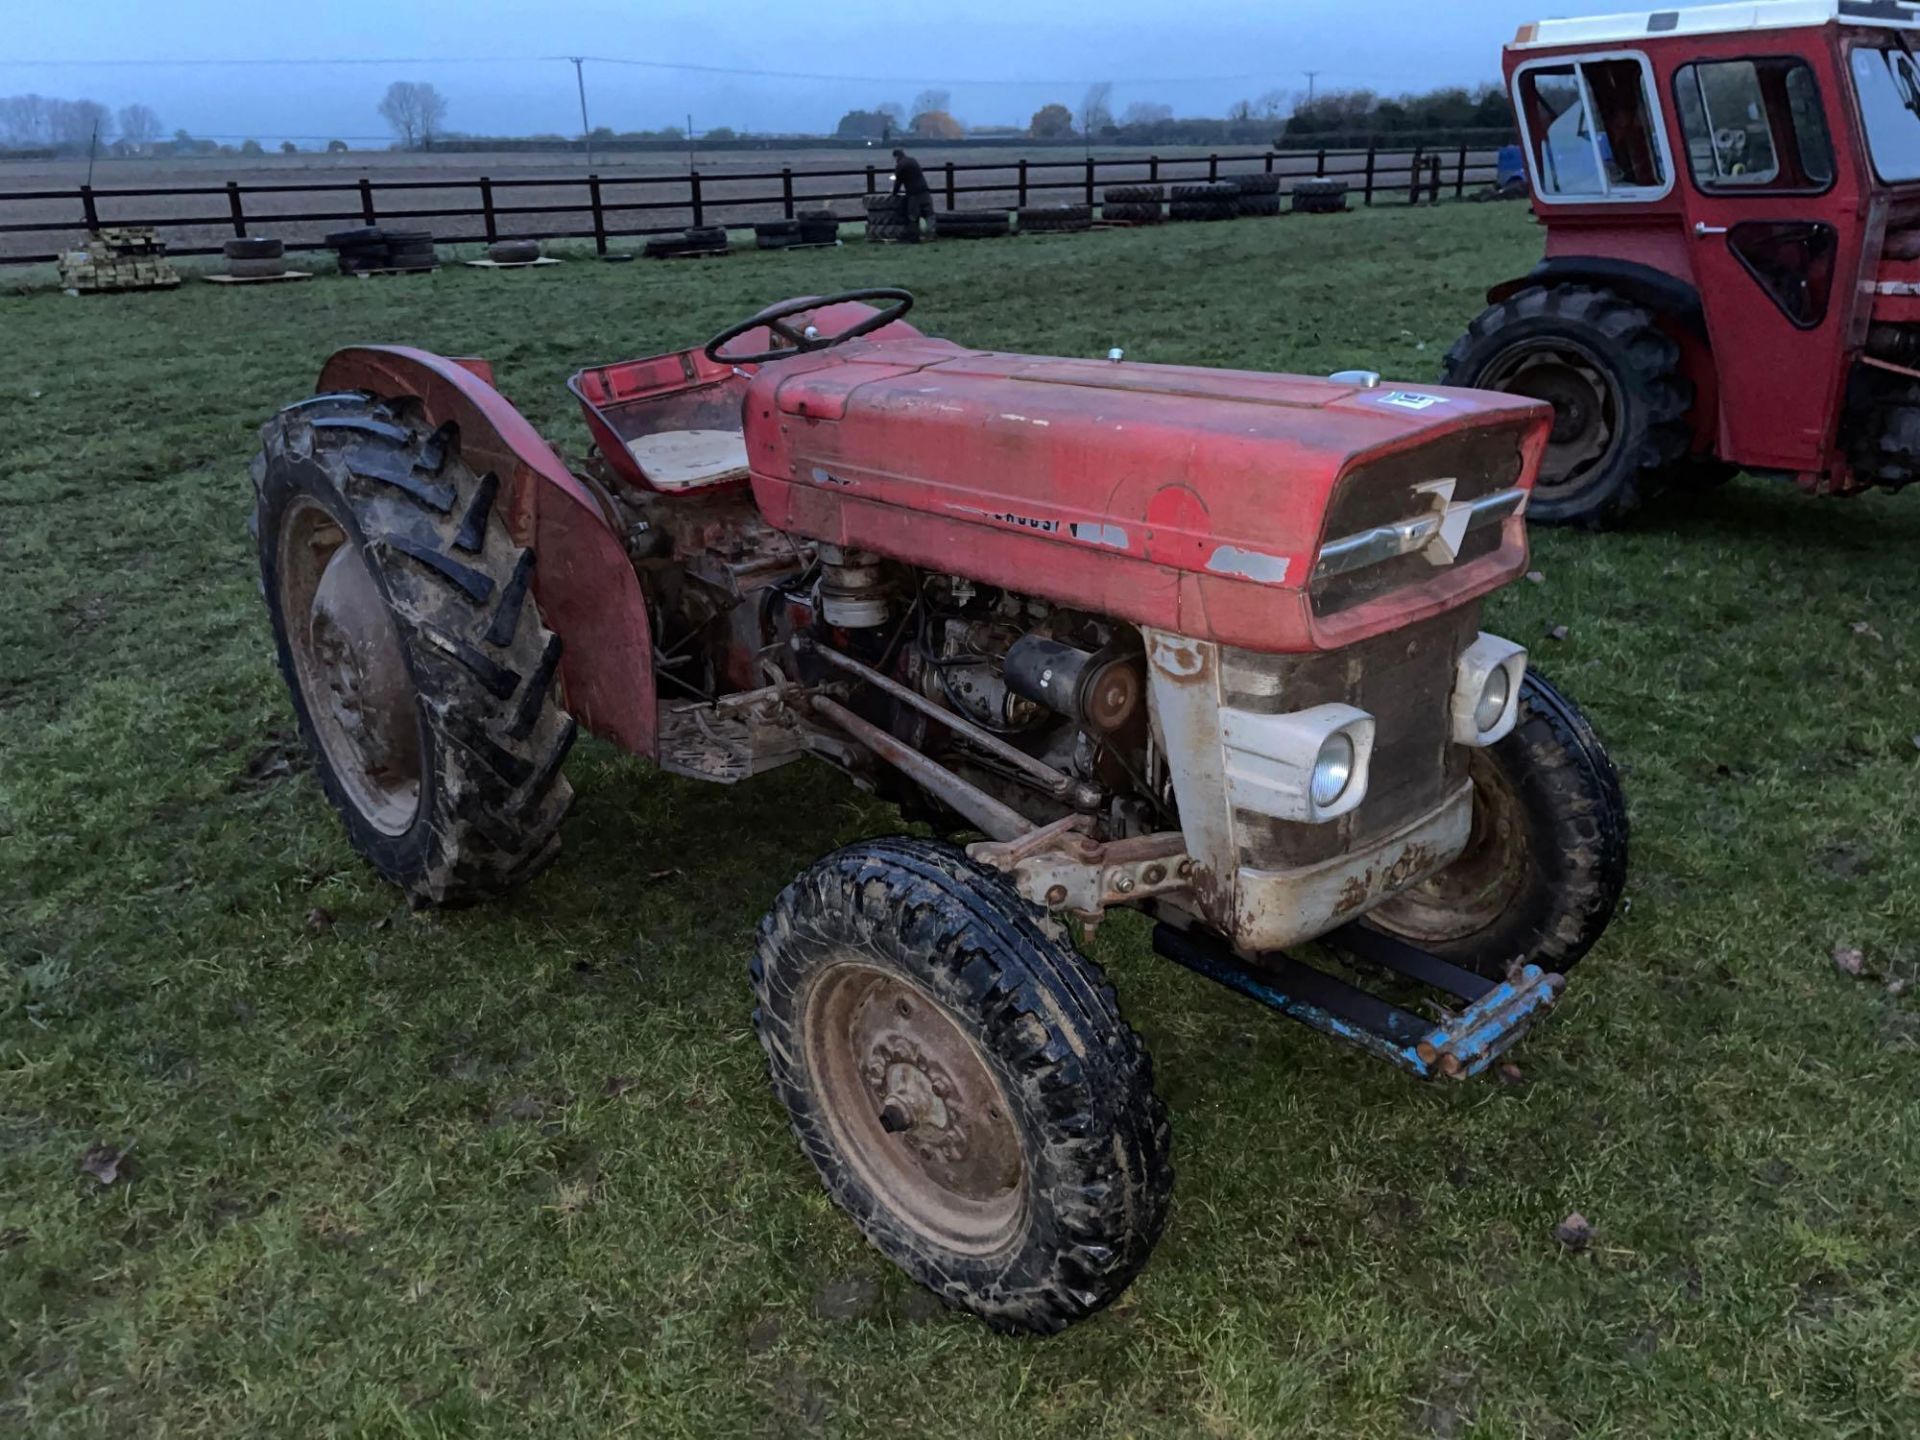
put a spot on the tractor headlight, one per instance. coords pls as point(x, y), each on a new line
point(1332, 770)
point(1486, 691)
point(1308, 766)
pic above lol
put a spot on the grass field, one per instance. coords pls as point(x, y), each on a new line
point(516, 1170)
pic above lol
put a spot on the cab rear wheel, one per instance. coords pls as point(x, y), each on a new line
point(963, 1082)
point(1547, 858)
point(1614, 379)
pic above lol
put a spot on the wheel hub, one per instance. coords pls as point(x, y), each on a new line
point(1585, 407)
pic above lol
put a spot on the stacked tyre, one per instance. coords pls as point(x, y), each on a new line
point(887, 218)
point(1256, 195)
point(776, 234)
point(255, 259)
point(819, 227)
point(372, 248)
point(1133, 204)
point(694, 240)
point(513, 252)
point(1054, 219)
point(1207, 200)
point(971, 224)
point(1319, 197)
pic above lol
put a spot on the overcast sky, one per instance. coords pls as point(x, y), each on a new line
point(1001, 59)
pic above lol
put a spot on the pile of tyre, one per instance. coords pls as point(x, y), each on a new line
point(1054, 219)
point(1133, 204)
point(1205, 200)
point(887, 217)
point(1319, 197)
point(513, 252)
point(370, 248)
point(694, 240)
point(1255, 195)
point(809, 227)
point(255, 259)
point(971, 224)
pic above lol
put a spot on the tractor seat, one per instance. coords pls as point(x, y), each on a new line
point(690, 459)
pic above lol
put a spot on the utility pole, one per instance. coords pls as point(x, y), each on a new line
point(1312, 75)
point(580, 79)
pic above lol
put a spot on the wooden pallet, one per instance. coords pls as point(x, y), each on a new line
point(258, 279)
point(369, 274)
point(693, 254)
point(510, 264)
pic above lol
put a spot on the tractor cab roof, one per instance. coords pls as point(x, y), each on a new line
point(1644, 25)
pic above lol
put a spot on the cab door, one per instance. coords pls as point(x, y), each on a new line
point(1777, 240)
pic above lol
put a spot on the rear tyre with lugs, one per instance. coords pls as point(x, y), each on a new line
point(1614, 379)
point(1547, 860)
point(963, 1082)
point(404, 621)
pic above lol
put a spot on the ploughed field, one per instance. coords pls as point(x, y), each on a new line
point(516, 1169)
point(631, 203)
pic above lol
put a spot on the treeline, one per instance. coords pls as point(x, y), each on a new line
point(52, 126)
point(1362, 112)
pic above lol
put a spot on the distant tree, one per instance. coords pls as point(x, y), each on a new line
point(937, 125)
point(413, 110)
point(24, 122)
point(1051, 122)
point(1240, 110)
point(139, 127)
point(1096, 108)
point(1146, 112)
point(722, 132)
point(1273, 104)
point(336, 147)
point(287, 147)
point(75, 124)
point(862, 125)
point(928, 101)
point(252, 147)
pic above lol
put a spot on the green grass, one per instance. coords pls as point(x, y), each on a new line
point(515, 1170)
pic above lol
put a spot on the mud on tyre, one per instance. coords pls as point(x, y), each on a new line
point(963, 1082)
point(1547, 860)
point(406, 630)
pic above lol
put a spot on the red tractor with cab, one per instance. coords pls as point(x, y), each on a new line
point(1731, 195)
point(1203, 644)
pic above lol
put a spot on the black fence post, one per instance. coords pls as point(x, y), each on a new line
point(366, 200)
point(1373, 155)
point(1091, 162)
point(1213, 167)
point(1320, 165)
point(950, 204)
point(1434, 194)
point(699, 205)
point(786, 189)
point(1023, 182)
point(1153, 169)
point(1269, 162)
point(486, 209)
point(599, 215)
point(1460, 176)
point(1416, 173)
point(234, 208)
point(870, 180)
point(88, 208)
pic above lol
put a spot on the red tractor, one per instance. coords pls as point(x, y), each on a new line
point(1732, 281)
point(1203, 644)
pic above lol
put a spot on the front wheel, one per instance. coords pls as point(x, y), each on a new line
point(962, 1080)
point(1547, 858)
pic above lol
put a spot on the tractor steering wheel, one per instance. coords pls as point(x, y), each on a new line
point(804, 342)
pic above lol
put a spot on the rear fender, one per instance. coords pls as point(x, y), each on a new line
point(586, 587)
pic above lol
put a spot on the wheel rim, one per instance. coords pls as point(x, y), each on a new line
point(914, 1109)
point(350, 667)
point(1586, 408)
point(1483, 883)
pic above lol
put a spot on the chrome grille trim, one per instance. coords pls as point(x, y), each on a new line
point(1409, 537)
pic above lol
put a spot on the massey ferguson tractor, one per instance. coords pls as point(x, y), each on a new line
point(1731, 196)
point(1201, 644)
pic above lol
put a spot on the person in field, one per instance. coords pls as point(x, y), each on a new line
point(911, 180)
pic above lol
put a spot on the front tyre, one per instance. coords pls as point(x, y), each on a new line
point(406, 630)
point(1546, 861)
point(963, 1082)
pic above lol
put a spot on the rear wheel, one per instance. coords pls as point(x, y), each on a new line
point(1614, 380)
point(1547, 859)
point(421, 676)
point(963, 1081)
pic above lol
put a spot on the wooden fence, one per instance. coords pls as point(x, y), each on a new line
point(35, 225)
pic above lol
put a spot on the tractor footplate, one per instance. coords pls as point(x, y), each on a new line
point(1457, 1046)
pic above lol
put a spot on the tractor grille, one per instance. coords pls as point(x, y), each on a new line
point(1405, 681)
point(1479, 462)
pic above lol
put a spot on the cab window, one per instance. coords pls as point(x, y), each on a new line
point(1889, 85)
point(1753, 125)
point(1593, 129)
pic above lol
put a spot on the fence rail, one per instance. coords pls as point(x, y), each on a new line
point(606, 207)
